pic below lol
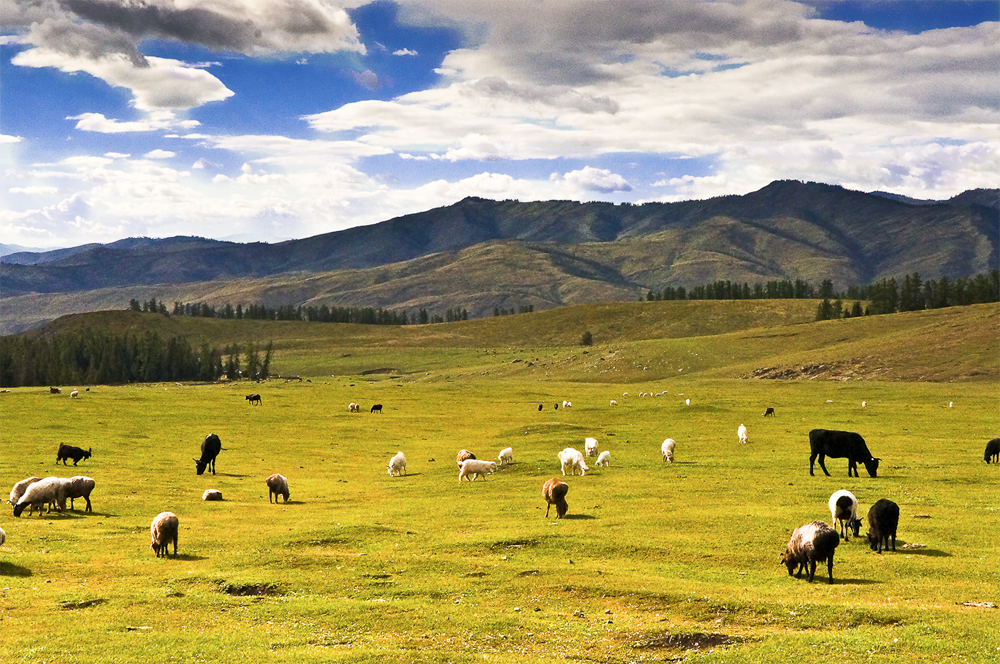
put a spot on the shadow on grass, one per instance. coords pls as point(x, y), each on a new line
point(7, 569)
point(933, 553)
point(579, 516)
point(854, 582)
point(187, 556)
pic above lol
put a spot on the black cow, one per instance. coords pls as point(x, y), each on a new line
point(253, 399)
point(769, 411)
point(838, 444)
point(377, 408)
point(210, 449)
point(992, 451)
point(69, 452)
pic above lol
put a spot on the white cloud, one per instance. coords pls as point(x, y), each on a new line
point(154, 121)
point(159, 154)
point(404, 51)
point(33, 190)
point(599, 180)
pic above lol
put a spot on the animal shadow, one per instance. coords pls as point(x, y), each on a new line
point(581, 517)
point(8, 569)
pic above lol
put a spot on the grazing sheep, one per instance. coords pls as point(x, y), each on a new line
point(883, 519)
point(864, 404)
point(742, 433)
point(55, 390)
point(462, 456)
point(67, 452)
point(506, 455)
point(667, 450)
point(613, 403)
point(992, 451)
point(41, 493)
point(810, 544)
point(254, 399)
point(604, 459)
point(567, 404)
point(277, 485)
point(590, 447)
point(162, 532)
point(210, 448)
point(769, 411)
point(687, 402)
point(554, 493)
point(539, 407)
point(211, 495)
point(397, 465)
point(74, 394)
point(844, 508)
point(471, 469)
point(377, 408)
point(353, 408)
point(18, 490)
point(77, 486)
point(3, 536)
point(572, 459)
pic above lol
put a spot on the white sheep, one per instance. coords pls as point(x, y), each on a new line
point(77, 486)
point(590, 446)
point(687, 402)
point(162, 532)
point(211, 495)
point(74, 394)
point(567, 404)
point(844, 508)
point(667, 450)
point(18, 490)
point(614, 403)
point(604, 459)
point(573, 460)
point(277, 485)
point(42, 493)
point(473, 468)
point(742, 433)
point(353, 408)
point(864, 404)
point(397, 465)
point(506, 455)
point(3, 536)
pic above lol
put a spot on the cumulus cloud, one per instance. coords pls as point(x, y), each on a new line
point(404, 51)
point(159, 154)
point(598, 180)
point(153, 121)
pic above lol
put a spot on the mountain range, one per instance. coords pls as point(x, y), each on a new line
point(482, 254)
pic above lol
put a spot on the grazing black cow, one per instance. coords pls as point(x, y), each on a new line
point(992, 451)
point(210, 448)
point(838, 444)
point(769, 411)
point(253, 399)
point(69, 452)
point(377, 408)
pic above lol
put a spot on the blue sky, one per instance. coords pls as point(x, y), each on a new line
point(277, 119)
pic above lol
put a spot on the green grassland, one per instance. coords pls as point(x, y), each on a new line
point(654, 562)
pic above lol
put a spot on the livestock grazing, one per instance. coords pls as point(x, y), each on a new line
point(462, 456)
point(992, 451)
point(254, 399)
point(556, 406)
point(844, 509)
point(604, 459)
point(377, 408)
point(74, 394)
point(277, 485)
point(77, 486)
point(554, 493)
point(883, 519)
point(162, 532)
point(55, 390)
point(687, 402)
point(211, 495)
point(590, 446)
point(769, 411)
point(567, 404)
point(3, 536)
point(667, 450)
point(67, 452)
point(573, 460)
point(810, 544)
point(18, 489)
point(353, 408)
point(210, 448)
point(838, 444)
point(741, 433)
point(472, 468)
point(613, 403)
point(397, 465)
point(864, 404)
point(539, 407)
point(506, 455)
point(43, 493)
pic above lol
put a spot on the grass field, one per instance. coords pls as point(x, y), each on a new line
point(654, 562)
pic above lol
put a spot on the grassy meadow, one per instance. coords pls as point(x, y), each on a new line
point(654, 561)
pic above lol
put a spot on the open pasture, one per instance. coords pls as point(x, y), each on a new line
point(654, 561)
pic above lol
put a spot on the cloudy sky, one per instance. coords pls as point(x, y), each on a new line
point(277, 119)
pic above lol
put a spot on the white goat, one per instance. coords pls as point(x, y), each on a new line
point(604, 459)
point(397, 465)
point(473, 468)
point(573, 460)
point(742, 433)
point(590, 446)
point(506, 455)
point(667, 449)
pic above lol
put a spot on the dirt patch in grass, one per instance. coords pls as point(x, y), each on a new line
point(696, 641)
point(251, 590)
point(513, 544)
point(383, 370)
point(83, 604)
point(856, 369)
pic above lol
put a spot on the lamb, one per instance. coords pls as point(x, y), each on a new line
point(883, 519)
point(810, 544)
point(604, 459)
point(277, 485)
point(667, 449)
point(18, 490)
point(462, 456)
point(844, 508)
point(554, 493)
point(506, 455)
point(67, 452)
point(397, 465)
point(572, 459)
point(590, 447)
point(992, 451)
point(741, 432)
point(77, 486)
point(162, 532)
point(471, 468)
point(211, 495)
point(42, 492)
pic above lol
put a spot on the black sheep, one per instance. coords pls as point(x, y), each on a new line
point(883, 519)
point(810, 544)
point(992, 451)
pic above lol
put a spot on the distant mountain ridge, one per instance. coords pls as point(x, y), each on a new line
point(553, 252)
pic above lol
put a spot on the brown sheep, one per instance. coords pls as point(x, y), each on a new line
point(277, 485)
point(162, 532)
point(554, 493)
point(463, 455)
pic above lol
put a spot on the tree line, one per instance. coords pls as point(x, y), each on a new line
point(96, 357)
